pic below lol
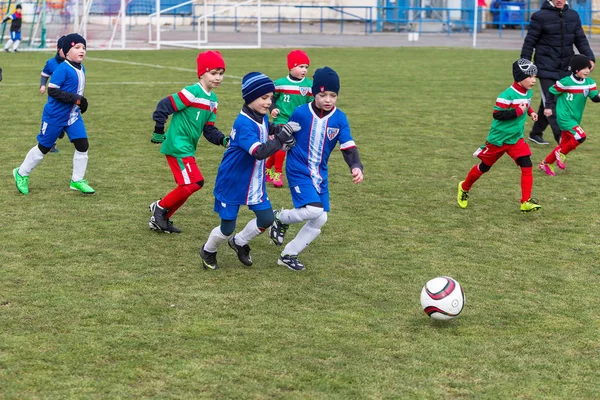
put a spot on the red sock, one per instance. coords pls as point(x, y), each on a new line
point(279, 158)
point(550, 158)
point(270, 162)
point(526, 183)
point(471, 178)
point(177, 197)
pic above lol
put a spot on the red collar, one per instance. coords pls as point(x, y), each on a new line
point(519, 88)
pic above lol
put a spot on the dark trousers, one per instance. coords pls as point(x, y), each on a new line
point(540, 125)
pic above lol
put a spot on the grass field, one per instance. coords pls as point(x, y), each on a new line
point(95, 305)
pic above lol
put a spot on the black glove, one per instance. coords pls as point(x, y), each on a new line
point(286, 135)
point(83, 104)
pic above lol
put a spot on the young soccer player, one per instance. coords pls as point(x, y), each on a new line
point(506, 136)
point(570, 95)
point(241, 175)
point(63, 111)
point(194, 111)
point(290, 92)
point(323, 127)
point(16, 19)
point(47, 72)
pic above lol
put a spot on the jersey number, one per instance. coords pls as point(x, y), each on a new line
point(197, 115)
point(570, 96)
point(286, 98)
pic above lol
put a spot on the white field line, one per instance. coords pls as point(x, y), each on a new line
point(153, 66)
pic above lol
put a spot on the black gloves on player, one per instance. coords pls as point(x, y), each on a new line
point(83, 104)
point(286, 135)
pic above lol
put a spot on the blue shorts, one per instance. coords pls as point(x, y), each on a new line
point(49, 133)
point(14, 36)
point(229, 212)
point(304, 194)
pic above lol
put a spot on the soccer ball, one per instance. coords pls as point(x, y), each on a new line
point(442, 298)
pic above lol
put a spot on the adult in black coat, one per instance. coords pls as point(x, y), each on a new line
point(553, 30)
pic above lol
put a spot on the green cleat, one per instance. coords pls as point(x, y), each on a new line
point(530, 206)
point(22, 182)
point(462, 197)
point(82, 186)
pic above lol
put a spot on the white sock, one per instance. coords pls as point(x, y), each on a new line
point(215, 239)
point(16, 44)
point(306, 235)
point(32, 159)
point(80, 161)
point(249, 232)
point(7, 45)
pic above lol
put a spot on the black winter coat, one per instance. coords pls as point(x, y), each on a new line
point(552, 34)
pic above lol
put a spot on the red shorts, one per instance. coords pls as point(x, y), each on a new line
point(576, 133)
point(185, 170)
point(491, 153)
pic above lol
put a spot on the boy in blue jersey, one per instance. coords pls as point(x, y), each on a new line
point(16, 19)
point(241, 175)
point(47, 72)
point(323, 127)
point(63, 111)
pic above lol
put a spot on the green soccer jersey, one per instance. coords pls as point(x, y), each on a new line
point(511, 130)
point(194, 108)
point(571, 95)
point(290, 94)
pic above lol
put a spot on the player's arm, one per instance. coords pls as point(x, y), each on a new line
point(284, 137)
point(164, 108)
point(503, 110)
point(214, 135)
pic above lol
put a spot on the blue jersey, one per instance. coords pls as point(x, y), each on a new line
point(241, 177)
point(307, 160)
point(50, 67)
point(69, 79)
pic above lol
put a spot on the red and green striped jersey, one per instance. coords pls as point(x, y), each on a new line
point(194, 108)
point(510, 131)
point(290, 94)
point(571, 95)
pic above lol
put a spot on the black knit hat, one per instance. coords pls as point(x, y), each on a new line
point(18, 7)
point(325, 79)
point(579, 62)
point(71, 40)
point(523, 69)
point(59, 43)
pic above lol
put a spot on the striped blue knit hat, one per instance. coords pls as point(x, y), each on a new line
point(255, 85)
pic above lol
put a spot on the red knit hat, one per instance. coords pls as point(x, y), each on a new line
point(209, 60)
point(297, 57)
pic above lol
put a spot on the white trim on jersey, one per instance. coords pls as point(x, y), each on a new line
point(518, 92)
point(348, 145)
point(255, 187)
point(513, 101)
point(577, 85)
point(74, 115)
point(316, 142)
point(199, 100)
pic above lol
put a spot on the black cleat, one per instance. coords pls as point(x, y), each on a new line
point(278, 229)
point(291, 261)
point(159, 220)
point(171, 228)
point(209, 260)
point(243, 252)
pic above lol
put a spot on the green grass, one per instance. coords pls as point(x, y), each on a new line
point(94, 305)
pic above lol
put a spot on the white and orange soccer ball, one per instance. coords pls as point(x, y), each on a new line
point(442, 298)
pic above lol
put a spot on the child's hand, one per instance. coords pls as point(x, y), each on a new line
point(275, 112)
point(547, 112)
point(534, 116)
point(523, 107)
point(42, 89)
point(357, 176)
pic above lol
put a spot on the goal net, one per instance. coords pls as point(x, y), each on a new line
point(140, 24)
